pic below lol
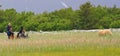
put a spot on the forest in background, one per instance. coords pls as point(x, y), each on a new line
point(87, 17)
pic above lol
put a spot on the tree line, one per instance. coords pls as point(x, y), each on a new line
point(88, 16)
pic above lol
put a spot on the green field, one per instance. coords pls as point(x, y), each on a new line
point(61, 43)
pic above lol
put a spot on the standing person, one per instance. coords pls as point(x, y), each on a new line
point(9, 30)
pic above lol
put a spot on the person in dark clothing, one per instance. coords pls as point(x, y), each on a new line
point(21, 30)
point(21, 33)
point(9, 31)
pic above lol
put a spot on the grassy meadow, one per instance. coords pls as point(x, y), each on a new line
point(62, 43)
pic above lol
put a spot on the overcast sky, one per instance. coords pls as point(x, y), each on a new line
point(39, 6)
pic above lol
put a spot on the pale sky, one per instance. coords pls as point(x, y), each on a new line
point(39, 6)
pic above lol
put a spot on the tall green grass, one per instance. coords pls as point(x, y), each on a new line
point(61, 44)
